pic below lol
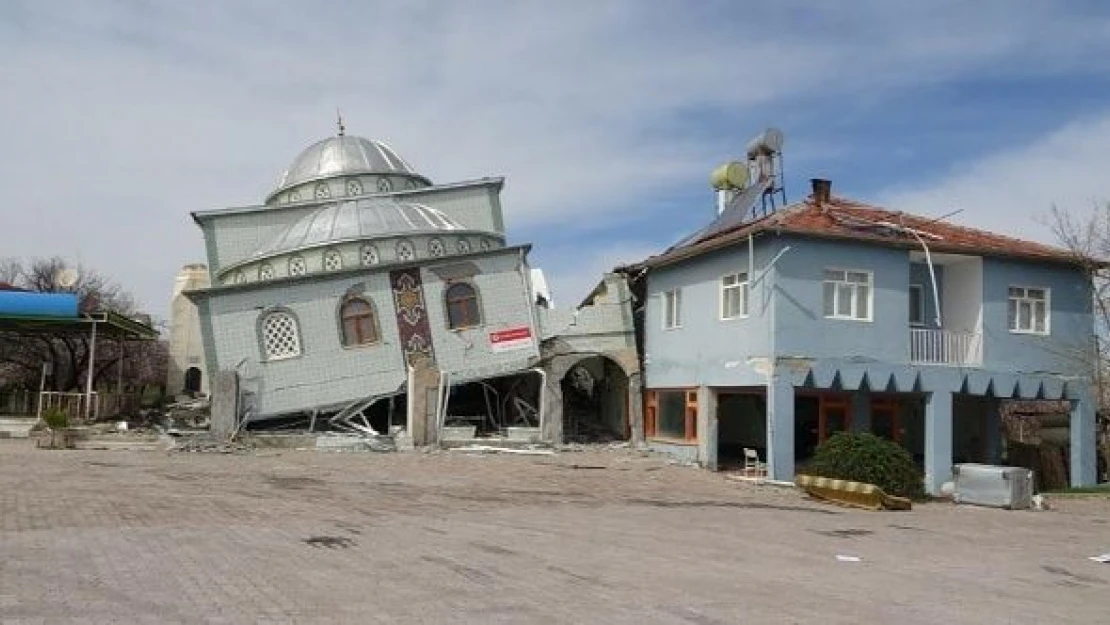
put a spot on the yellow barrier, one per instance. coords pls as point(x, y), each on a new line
point(856, 494)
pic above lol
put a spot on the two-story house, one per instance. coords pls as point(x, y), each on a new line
point(773, 333)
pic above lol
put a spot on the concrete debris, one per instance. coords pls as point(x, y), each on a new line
point(207, 443)
point(351, 442)
point(1103, 559)
point(487, 449)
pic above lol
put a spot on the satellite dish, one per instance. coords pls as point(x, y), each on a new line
point(66, 277)
point(731, 175)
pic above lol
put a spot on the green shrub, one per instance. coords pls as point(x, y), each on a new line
point(55, 418)
point(868, 458)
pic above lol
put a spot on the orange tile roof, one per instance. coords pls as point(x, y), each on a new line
point(844, 219)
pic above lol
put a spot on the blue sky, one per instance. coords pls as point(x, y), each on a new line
point(605, 116)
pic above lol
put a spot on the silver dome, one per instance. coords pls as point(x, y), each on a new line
point(357, 219)
point(343, 155)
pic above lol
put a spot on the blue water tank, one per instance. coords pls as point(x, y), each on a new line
point(26, 304)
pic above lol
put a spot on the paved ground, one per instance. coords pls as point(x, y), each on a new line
point(288, 536)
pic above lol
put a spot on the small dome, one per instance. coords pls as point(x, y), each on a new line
point(358, 219)
point(343, 155)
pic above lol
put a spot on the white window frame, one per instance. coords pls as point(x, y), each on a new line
point(1018, 300)
point(921, 308)
point(672, 309)
point(853, 315)
point(733, 282)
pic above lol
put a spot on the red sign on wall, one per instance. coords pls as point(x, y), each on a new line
point(510, 339)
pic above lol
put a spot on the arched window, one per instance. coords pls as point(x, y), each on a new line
point(359, 322)
point(281, 338)
point(323, 191)
point(265, 272)
point(369, 255)
point(297, 266)
point(405, 250)
point(435, 248)
point(463, 310)
point(333, 260)
point(354, 186)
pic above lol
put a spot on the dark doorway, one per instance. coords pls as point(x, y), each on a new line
point(192, 380)
point(741, 424)
point(595, 401)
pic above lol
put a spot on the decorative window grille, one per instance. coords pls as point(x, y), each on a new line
point(297, 266)
point(354, 186)
point(385, 185)
point(484, 245)
point(359, 322)
point(333, 260)
point(266, 272)
point(463, 246)
point(435, 248)
point(323, 191)
point(280, 336)
point(405, 251)
point(369, 255)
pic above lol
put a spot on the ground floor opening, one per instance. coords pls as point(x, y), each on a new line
point(595, 402)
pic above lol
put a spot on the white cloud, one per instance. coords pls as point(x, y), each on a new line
point(1013, 191)
point(120, 118)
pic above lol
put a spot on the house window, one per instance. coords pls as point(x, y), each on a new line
point(333, 260)
point(917, 305)
point(1028, 310)
point(848, 294)
point(297, 266)
point(734, 296)
point(672, 309)
point(672, 415)
point(360, 323)
point(280, 336)
point(462, 306)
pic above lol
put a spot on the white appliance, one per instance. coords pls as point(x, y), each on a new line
point(997, 487)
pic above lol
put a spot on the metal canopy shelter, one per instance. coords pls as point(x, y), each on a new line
point(104, 324)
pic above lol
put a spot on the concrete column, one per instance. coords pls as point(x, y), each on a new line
point(861, 411)
point(225, 404)
point(636, 409)
point(938, 441)
point(780, 428)
point(553, 413)
point(707, 427)
point(1084, 463)
point(423, 393)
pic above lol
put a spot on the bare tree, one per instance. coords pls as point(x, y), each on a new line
point(1087, 237)
point(22, 356)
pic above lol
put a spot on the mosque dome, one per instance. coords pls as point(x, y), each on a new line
point(344, 155)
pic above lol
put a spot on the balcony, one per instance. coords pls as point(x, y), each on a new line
point(945, 347)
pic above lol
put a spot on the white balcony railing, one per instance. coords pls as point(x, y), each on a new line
point(945, 347)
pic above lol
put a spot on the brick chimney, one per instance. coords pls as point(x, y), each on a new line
point(822, 190)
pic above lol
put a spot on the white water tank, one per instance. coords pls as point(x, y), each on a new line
point(993, 486)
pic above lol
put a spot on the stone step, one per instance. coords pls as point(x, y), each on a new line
point(16, 427)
